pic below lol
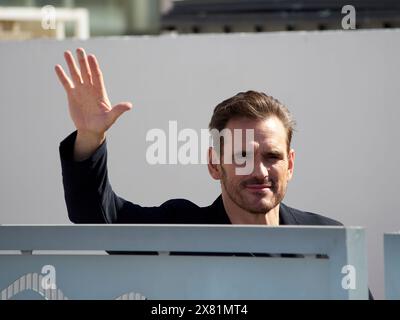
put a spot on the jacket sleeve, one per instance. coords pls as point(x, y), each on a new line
point(89, 196)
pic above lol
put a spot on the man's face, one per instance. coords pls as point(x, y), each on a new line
point(264, 188)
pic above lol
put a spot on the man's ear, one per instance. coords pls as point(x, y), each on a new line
point(291, 157)
point(213, 164)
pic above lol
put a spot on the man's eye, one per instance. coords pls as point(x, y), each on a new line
point(273, 157)
point(240, 158)
point(277, 157)
point(242, 154)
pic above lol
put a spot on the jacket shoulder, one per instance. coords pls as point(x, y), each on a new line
point(185, 211)
point(310, 218)
point(180, 204)
point(182, 211)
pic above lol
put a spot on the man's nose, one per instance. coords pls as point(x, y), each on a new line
point(260, 170)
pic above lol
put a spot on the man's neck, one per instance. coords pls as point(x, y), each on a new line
point(237, 215)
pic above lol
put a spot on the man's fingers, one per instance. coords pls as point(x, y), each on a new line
point(73, 69)
point(83, 63)
point(97, 76)
point(65, 81)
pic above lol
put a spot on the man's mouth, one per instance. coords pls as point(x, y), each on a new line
point(259, 187)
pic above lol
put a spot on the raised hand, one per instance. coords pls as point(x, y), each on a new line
point(88, 102)
point(89, 106)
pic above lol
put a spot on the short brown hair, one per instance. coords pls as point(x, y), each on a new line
point(253, 105)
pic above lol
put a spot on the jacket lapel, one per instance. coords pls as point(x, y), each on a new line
point(286, 217)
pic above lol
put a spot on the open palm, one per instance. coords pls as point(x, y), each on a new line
point(88, 102)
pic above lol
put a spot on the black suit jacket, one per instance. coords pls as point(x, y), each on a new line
point(90, 198)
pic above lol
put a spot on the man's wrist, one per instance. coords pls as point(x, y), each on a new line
point(86, 144)
point(91, 136)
